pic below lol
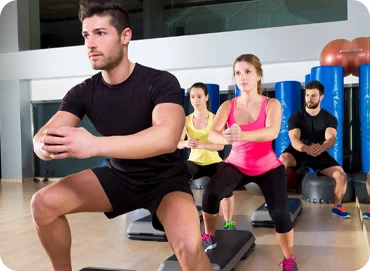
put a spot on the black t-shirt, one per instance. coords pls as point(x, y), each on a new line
point(312, 127)
point(126, 109)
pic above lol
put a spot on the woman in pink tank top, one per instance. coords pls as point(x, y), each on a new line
point(253, 122)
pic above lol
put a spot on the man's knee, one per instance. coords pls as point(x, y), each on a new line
point(43, 207)
point(340, 177)
point(188, 249)
point(285, 158)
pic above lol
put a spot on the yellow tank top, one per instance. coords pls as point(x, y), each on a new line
point(201, 157)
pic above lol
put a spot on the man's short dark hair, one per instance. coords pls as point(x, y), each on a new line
point(113, 8)
point(316, 85)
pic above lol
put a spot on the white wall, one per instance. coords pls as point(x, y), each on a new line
point(287, 53)
point(7, 25)
point(11, 162)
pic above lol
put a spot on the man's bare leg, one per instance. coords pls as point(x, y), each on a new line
point(80, 192)
point(340, 184)
point(179, 217)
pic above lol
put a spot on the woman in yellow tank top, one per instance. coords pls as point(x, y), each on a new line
point(204, 159)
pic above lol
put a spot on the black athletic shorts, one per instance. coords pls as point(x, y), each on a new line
point(323, 161)
point(126, 196)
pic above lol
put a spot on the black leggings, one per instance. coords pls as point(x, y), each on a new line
point(272, 184)
point(198, 171)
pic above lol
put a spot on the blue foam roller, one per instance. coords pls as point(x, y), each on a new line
point(332, 79)
point(364, 85)
point(237, 91)
point(290, 96)
point(307, 79)
point(214, 96)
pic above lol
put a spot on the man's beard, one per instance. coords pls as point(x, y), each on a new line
point(110, 62)
point(312, 105)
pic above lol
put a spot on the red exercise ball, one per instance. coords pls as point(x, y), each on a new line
point(337, 53)
point(361, 53)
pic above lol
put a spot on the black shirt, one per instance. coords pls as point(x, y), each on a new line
point(312, 127)
point(126, 109)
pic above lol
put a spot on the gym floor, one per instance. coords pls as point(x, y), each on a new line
point(322, 242)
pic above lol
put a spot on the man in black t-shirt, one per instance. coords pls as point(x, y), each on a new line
point(138, 111)
point(313, 131)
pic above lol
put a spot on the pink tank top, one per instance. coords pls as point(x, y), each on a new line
point(252, 158)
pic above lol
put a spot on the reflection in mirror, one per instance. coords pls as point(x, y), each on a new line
point(58, 24)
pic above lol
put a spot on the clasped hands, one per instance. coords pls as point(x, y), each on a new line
point(64, 142)
point(314, 149)
point(194, 143)
point(233, 133)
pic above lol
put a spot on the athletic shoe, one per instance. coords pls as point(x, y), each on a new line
point(339, 211)
point(230, 225)
point(289, 264)
point(367, 214)
point(208, 241)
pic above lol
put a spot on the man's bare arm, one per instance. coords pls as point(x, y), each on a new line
point(295, 139)
point(60, 119)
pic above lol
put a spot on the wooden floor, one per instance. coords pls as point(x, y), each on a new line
point(322, 242)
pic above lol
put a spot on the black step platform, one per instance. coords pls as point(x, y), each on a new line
point(103, 269)
point(142, 229)
point(261, 217)
point(232, 246)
